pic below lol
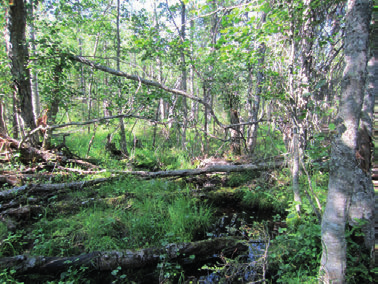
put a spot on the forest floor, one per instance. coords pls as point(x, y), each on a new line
point(54, 212)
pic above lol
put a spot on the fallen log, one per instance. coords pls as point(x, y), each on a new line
point(47, 188)
point(206, 170)
point(23, 213)
point(34, 188)
point(110, 260)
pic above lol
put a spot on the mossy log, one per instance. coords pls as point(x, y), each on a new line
point(110, 260)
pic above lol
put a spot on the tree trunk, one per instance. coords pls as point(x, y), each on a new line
point(295, 171)
point(254, 100)
point(15, 123)
point(183, 76)
point(34, 78)
point(3, 126)
point(205, 147)
point(17, 51)
point(122, 132)
point(235, 133)
point(343, 176)
point(363, 202)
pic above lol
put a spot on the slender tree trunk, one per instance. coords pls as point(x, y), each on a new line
point(254, 100)
point(295, 171)
point(106, 102)
point(82, 75)
point(15, 123)
point(122, 132)
point(183, 77)
point(90, 88)
point(235, 133)
point(17, 50)
point(292, 129)
point(344, 168)
point(205, 148)
point(34, 79)
point(3, 126)
point(53, 106)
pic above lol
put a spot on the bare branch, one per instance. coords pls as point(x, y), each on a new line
point(102, 119)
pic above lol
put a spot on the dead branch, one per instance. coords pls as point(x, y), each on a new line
point(102, 119)
point(48, 188)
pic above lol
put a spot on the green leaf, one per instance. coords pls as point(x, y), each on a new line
point(331, 126)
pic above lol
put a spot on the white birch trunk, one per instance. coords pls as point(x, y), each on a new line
point(343, 167)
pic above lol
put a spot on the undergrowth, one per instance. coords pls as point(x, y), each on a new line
point(144, 213)
point(129, 213)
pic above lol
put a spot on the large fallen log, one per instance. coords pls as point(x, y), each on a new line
point(206, 170)
point(110, 260)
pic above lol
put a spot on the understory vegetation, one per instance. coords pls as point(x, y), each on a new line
point(187, 141)
point(132, 213)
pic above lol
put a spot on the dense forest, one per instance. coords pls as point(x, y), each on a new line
point(187, 141)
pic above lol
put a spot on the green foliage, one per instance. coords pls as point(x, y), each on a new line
point(238, 179)
point(274, 196)
point(240, 269)
point(265, 199)
point(358, 257)
point(295, 253)
point(143, 213)
point(8, 277)
point(74, 275)
point(10, 243)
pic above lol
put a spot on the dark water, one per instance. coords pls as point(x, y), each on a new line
point(244, 268)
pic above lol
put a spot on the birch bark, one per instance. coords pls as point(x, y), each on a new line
point(344, 167)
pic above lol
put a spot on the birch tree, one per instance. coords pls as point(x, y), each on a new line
point(344, 168)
